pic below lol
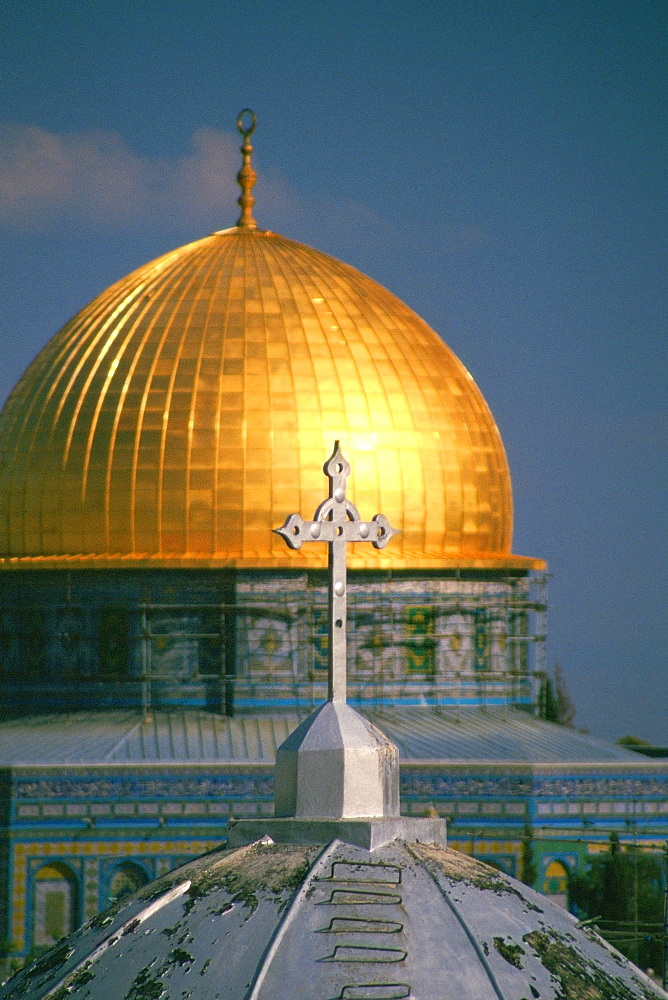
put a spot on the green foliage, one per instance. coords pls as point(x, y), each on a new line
point(555, 703)
point(512, 953)
point(7, 947)
point(633, 741)
point(608, 891)
point(529, 866)
point(548, 705)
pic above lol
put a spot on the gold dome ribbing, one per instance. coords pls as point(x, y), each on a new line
point(188, 409)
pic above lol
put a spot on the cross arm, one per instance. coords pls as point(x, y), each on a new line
point(296, 530)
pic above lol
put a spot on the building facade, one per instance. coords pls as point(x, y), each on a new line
point(240, 640)
point(97, 804)
point(158, 641)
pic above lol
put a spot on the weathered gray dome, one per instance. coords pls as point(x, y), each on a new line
point(268, 921)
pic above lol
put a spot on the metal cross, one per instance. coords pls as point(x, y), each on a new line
point(337, 521)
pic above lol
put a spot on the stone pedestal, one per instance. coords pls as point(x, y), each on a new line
point(367, 833)
point(337, 765)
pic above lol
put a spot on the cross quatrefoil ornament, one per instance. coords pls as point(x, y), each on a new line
point(337, 522)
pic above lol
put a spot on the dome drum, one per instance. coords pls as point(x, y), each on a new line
point(236, 641)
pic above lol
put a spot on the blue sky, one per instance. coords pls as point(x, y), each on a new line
point(498, 165)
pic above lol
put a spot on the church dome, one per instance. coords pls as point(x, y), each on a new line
point(183, 414)
point(270, 921)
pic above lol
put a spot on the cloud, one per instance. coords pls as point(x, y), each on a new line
point(94, 178)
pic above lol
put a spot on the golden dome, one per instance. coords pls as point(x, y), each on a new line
point(188, 409)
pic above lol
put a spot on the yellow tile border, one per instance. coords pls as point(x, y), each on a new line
point(24, 852)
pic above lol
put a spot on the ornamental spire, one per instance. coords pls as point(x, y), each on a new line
point(336, 765)
point(336, 774)
point(246, 176)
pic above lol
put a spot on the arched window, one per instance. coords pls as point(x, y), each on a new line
point(503, 863)
point(55, 904)
point(555, 882)
point(126, 879)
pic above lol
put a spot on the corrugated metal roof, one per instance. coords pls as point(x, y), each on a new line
point(501, 734)
point(54, 739)
point(421, 733)
point(201, 736)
